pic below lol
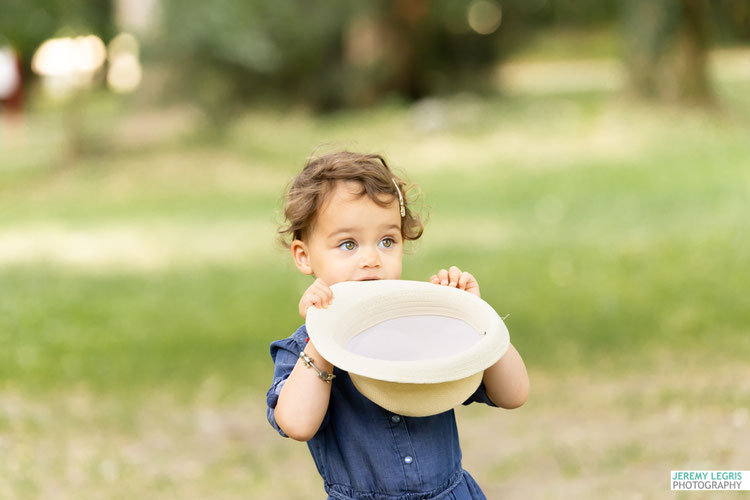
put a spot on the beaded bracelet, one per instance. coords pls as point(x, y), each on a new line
point(324, 376)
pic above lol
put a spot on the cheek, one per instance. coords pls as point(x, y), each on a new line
point(396, 258)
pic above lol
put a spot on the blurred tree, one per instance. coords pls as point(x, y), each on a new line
point(323, 53)
point(732, 20)
point(333, 53)
point(28, 23)
point(415, 48)
point(226, 52)
point(666, 48)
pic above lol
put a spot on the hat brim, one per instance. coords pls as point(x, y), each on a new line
point(358, 306)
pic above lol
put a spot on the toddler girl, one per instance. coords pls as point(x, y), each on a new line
point(348, 220)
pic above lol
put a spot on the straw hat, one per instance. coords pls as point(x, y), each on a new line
point(412, 347)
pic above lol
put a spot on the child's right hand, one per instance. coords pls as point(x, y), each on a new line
point(318, 295)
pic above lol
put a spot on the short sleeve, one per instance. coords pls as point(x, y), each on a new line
point(284, 354)
point(480, 396)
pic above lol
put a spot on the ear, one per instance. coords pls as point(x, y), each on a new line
point(301, 256)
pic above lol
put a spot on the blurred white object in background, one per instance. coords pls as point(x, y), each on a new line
point(70, 63)
point(124, 73)
point(137, 16)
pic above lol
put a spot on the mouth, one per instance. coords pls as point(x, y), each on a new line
point(368, 279)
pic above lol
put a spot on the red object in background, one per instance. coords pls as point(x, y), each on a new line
point(14, 103)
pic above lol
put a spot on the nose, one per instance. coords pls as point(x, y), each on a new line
point(369, 257)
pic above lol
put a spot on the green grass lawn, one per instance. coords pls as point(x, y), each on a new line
point(610, 231)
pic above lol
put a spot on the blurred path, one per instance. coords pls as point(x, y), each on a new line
point(137, 247)
point(601, 75)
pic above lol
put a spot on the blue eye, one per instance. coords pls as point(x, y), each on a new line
point(348, 245)
point(387, 242)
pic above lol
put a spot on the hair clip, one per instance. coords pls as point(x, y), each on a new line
point(400, 198)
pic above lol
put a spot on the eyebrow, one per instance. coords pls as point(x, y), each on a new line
point(351, 230)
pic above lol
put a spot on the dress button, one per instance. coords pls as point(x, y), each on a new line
point(408, 459)
point(395, 419)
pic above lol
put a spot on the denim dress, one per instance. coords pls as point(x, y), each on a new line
point(364, 452)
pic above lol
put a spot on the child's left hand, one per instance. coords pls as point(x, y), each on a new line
point(453, 277)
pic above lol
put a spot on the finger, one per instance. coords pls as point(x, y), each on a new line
point(434, 279)
point(314, 300)
point(464, 280)
point(319, 283)
point(307, 301)
point(328, 292)
point(443, 275)
point(453, 275)
point(315, 290)
point(325, 294)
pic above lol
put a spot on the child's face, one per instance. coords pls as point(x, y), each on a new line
point(353, 238)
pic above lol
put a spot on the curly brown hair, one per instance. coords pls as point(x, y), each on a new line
point(310, 188)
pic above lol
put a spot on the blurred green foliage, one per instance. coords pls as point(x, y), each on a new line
point(225, 52)
point(315, 53)
point(332, 54)
point(28, 23)
point(301, 52)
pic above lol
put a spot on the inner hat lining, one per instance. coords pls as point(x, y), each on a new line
point(414, 337)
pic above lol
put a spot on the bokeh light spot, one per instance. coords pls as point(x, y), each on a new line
point(124, 73)
point(69, 63)
point(125, 70)
point(484, 16)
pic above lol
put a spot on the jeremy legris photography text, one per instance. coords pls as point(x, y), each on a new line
point(707, 480)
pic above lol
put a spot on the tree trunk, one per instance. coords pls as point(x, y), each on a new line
point(666, 44)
